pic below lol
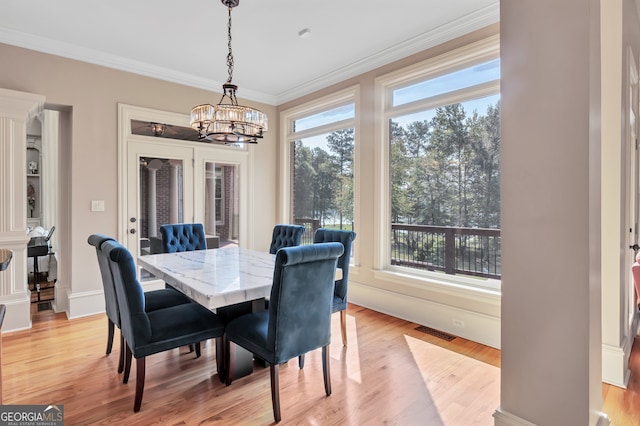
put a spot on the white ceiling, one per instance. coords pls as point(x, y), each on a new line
point(185, 41)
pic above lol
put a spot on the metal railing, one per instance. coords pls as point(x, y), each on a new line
point(310, 228)
point(465, 251)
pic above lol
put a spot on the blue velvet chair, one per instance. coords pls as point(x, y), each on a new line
point(154, 299)
point(299, 316)
point(346, 238)
point(285, 236)
point(149, 332)
point(177, 237)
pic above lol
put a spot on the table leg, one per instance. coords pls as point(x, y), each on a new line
point(243, 358)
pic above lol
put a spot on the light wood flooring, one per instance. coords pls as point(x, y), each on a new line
point(389, 374)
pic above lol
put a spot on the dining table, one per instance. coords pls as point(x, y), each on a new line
point(230, 281)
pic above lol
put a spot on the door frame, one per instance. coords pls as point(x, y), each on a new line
point(201, 152)
point(632, 184)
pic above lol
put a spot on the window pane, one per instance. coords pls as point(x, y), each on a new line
point(326, 117)
point(323, 181)
point(481, 73)
point(445, 188)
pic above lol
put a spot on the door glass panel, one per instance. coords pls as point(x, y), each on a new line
point(161, 200)
point(221, 205)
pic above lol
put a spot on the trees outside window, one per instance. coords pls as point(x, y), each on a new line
point(444, 167)
point(322, 142)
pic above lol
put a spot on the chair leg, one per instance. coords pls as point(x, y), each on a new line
point(198, 350)
point(110, 331)
point(140, 370)
point(127, 364)
point(122, 351)
point(325, 370)
point(343, 326)
point(275, 391)
point(301, 361)
point(229, 354)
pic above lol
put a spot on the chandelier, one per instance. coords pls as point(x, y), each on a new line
point(229, 123)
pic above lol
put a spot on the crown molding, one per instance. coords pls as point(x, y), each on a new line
point(486, 16)
point(460, 26)
point(71, 51)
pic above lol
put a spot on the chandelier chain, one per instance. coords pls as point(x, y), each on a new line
point(230, 54)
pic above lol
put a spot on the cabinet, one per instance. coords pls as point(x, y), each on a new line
point(34, 183)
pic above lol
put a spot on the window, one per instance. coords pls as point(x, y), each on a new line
point(321, 140)
point(442, 138)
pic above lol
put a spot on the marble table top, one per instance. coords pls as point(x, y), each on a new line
point(215, 277)
point(5, 258)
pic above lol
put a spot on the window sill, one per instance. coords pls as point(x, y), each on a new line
point(460, 287)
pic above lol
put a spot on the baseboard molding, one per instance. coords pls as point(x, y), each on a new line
point(615, 365)
point(470, 325)
point(504, 418)
point(85, 304)
point(18, 315)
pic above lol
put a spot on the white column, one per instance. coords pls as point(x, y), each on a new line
point(152, 216)
point(16, 109)
point(210, 187)
point(174, 166)
point(550, 153)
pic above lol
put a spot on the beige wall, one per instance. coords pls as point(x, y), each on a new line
point(89, 160)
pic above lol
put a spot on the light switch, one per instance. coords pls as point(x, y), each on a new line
point(97, 205)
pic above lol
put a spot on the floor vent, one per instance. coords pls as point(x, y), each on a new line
point(437, 333)
point(44, 306)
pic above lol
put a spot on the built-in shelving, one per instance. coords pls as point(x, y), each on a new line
point(34, 184)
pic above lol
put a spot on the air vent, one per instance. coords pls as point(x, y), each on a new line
point(436, 333)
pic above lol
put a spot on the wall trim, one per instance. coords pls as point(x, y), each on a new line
point(478, 327)
point(85, 304)
point(18, 315)
point(504, 418)
point(615, 369)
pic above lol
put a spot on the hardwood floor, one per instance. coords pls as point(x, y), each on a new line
point(390, 374)
point(623, 405)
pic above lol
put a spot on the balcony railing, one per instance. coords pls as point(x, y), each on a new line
point(465, 251)
point(310, 228)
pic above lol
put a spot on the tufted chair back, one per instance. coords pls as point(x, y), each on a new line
point(285, 236)
point(129, 293)
point(180, 237)
point(111, 303)
point(299, 316)
point(325, 235)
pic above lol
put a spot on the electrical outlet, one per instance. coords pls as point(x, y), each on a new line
point(458, 322)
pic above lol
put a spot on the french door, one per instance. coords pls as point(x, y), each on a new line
point(165, 180)
point(160, 191)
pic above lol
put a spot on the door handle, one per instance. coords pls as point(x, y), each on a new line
point(635, 247)
point(132, 231)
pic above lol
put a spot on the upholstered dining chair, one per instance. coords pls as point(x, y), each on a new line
point(177, 237)
point(285, 236)
point(346, 238)
point(299, 316)
point(149, 332)
point(154, 299)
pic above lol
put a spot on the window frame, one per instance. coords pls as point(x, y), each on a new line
point(350, 95)
point(457, 59)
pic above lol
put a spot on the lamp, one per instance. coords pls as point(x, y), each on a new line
point(229, 122)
